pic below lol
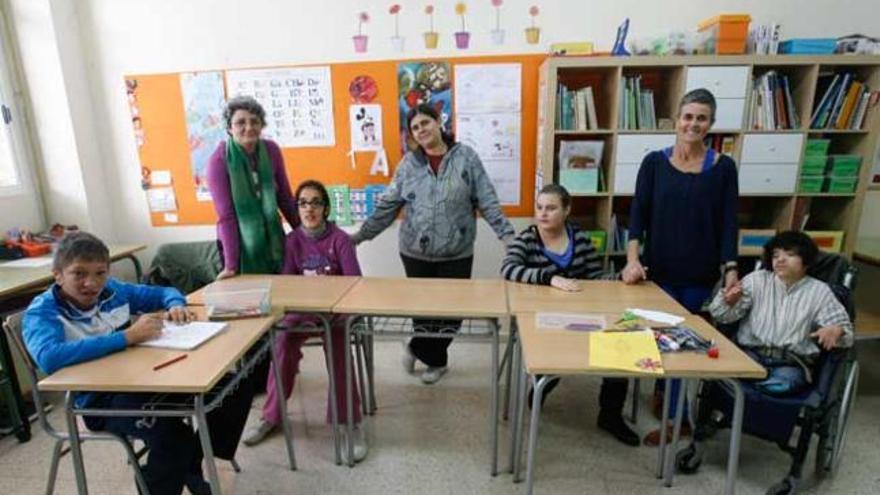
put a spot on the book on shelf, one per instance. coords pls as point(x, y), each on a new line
point(720, 143)
point(844, 103)
point(575, 109)
point(637, 106)
point(772, 106)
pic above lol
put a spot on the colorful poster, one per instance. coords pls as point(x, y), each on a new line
point(366, 127)
point(340, 204)
point(203, 103)
point(298, 103)
point(424, 82)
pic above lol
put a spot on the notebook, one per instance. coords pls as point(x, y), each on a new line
point(186, 337)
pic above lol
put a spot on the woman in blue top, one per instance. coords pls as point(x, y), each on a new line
point(684, 210)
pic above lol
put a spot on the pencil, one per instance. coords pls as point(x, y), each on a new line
point(169, 362)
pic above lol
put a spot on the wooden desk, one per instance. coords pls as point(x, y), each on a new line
point(432, 298)
point(559, 352)
point(132, 371)
point(16, 280)
point(296, 294)
point(17, 288)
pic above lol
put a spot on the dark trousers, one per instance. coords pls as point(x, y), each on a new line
point(175, 451)
point(432, 351)
point(612, 395)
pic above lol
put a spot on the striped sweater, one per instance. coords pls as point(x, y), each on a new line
point(526, 262)
point(773, 315)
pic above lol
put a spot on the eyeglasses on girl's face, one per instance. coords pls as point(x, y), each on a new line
point(305, 203)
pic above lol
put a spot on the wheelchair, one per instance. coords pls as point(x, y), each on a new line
point(822, 409)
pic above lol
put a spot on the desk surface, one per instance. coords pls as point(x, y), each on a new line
point(567, 352)
point(292, 292)
point(597, 295)
point(465, 298)
point(868, 250)
point(132, 369)
point(13, 280)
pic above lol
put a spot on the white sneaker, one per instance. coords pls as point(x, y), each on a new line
point(408, 359)
point(433, 374)
point(258, 432)
point(359, 446)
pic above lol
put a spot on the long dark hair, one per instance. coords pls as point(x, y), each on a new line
point(317, 186)
point(425, 109)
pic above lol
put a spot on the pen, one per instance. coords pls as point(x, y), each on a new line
point(169, 362)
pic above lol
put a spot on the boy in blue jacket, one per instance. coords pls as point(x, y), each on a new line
point(86, 315)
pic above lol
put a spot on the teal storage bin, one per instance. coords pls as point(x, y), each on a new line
point(808, 46)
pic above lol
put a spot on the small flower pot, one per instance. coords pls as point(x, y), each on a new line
point(462, 39)
point(431, 39)
point(497, 36)
point(360, 43)
point(397, 43)
point(533, 35)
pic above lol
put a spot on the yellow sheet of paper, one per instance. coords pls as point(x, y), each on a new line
point(625, 351)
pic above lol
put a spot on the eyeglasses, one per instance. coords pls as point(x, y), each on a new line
point(242, 123)
point(317, 203)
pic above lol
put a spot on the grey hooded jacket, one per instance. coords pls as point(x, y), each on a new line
point(439, 222)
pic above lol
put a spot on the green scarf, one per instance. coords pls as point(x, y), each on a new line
point(259, 226)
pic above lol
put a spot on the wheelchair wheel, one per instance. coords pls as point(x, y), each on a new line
point(688, 460)
point(831, 443)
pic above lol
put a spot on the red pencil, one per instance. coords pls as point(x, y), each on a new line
point(169, 362)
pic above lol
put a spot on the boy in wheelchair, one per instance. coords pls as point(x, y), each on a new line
point(788, 321)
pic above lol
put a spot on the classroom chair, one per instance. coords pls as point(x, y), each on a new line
point(12, 328)
point(823, 409)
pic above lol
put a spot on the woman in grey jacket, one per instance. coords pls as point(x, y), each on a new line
point(440, 185)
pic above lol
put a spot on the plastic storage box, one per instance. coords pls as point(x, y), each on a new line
point(814, 165)
point(811, 183)
point(842, 185)
point(844, 165)
point(725, 34)
point(817, 147)
point(238, 299)
point(808, 46)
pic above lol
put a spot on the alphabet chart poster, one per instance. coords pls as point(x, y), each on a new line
point(298, 103)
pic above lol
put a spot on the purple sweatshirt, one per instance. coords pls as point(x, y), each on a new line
point(332, 253)
point(221, 192)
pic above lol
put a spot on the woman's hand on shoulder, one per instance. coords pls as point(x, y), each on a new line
point(226, 273)
point(566, 284)
point(634, 272)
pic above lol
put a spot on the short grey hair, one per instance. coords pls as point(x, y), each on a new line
point(247, 103)
point(702, 96)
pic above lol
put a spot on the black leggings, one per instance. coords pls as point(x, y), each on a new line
point(432, 351)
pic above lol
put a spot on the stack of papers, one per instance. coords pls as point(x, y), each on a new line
point(185, 337)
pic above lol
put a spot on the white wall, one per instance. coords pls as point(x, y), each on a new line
point(76, 53)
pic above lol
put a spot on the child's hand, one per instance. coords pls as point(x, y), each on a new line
point(733, 293)
point(147, 327)
point(566, 284)
point(180, 315)
point(828, 336)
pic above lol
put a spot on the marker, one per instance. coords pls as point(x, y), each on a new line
point(169, 362)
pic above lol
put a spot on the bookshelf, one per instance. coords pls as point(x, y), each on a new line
point(770, 159)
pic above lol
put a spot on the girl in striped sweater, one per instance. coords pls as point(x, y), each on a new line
point(558, 253)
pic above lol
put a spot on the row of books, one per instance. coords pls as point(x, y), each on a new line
point(575, 109)
point(844, 104)
point(619, 236)
point(772, 106)
point(720, 143)
point(637, 105)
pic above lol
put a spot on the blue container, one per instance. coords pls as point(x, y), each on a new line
point(808, 46)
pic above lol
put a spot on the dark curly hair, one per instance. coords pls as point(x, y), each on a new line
point(797, 242)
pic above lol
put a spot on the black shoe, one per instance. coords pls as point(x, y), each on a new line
point(197, 485)
point(552, 383)
point(615, 425)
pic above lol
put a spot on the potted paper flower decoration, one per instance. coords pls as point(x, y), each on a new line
point(431, 36)
point(497, 33)
point(462, 38)
point(396, 40)
point(533, 34)
point(360, 39)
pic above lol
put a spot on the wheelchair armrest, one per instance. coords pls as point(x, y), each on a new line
point(825, 373)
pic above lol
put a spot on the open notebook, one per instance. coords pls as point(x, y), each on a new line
point(186, 337)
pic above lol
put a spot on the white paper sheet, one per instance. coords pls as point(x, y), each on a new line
point(570, 321)
point(484, 88)
point(28, 262)
point(161, 199)
point(186, 337)
point(658, 316)
point(365, 123)
point(160, 178)
point(298, 103)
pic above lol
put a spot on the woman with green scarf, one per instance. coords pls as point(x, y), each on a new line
point(249, 185)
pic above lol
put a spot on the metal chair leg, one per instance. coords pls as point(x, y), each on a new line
point(133, 459)
point(635, 400)
point(53, 467)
